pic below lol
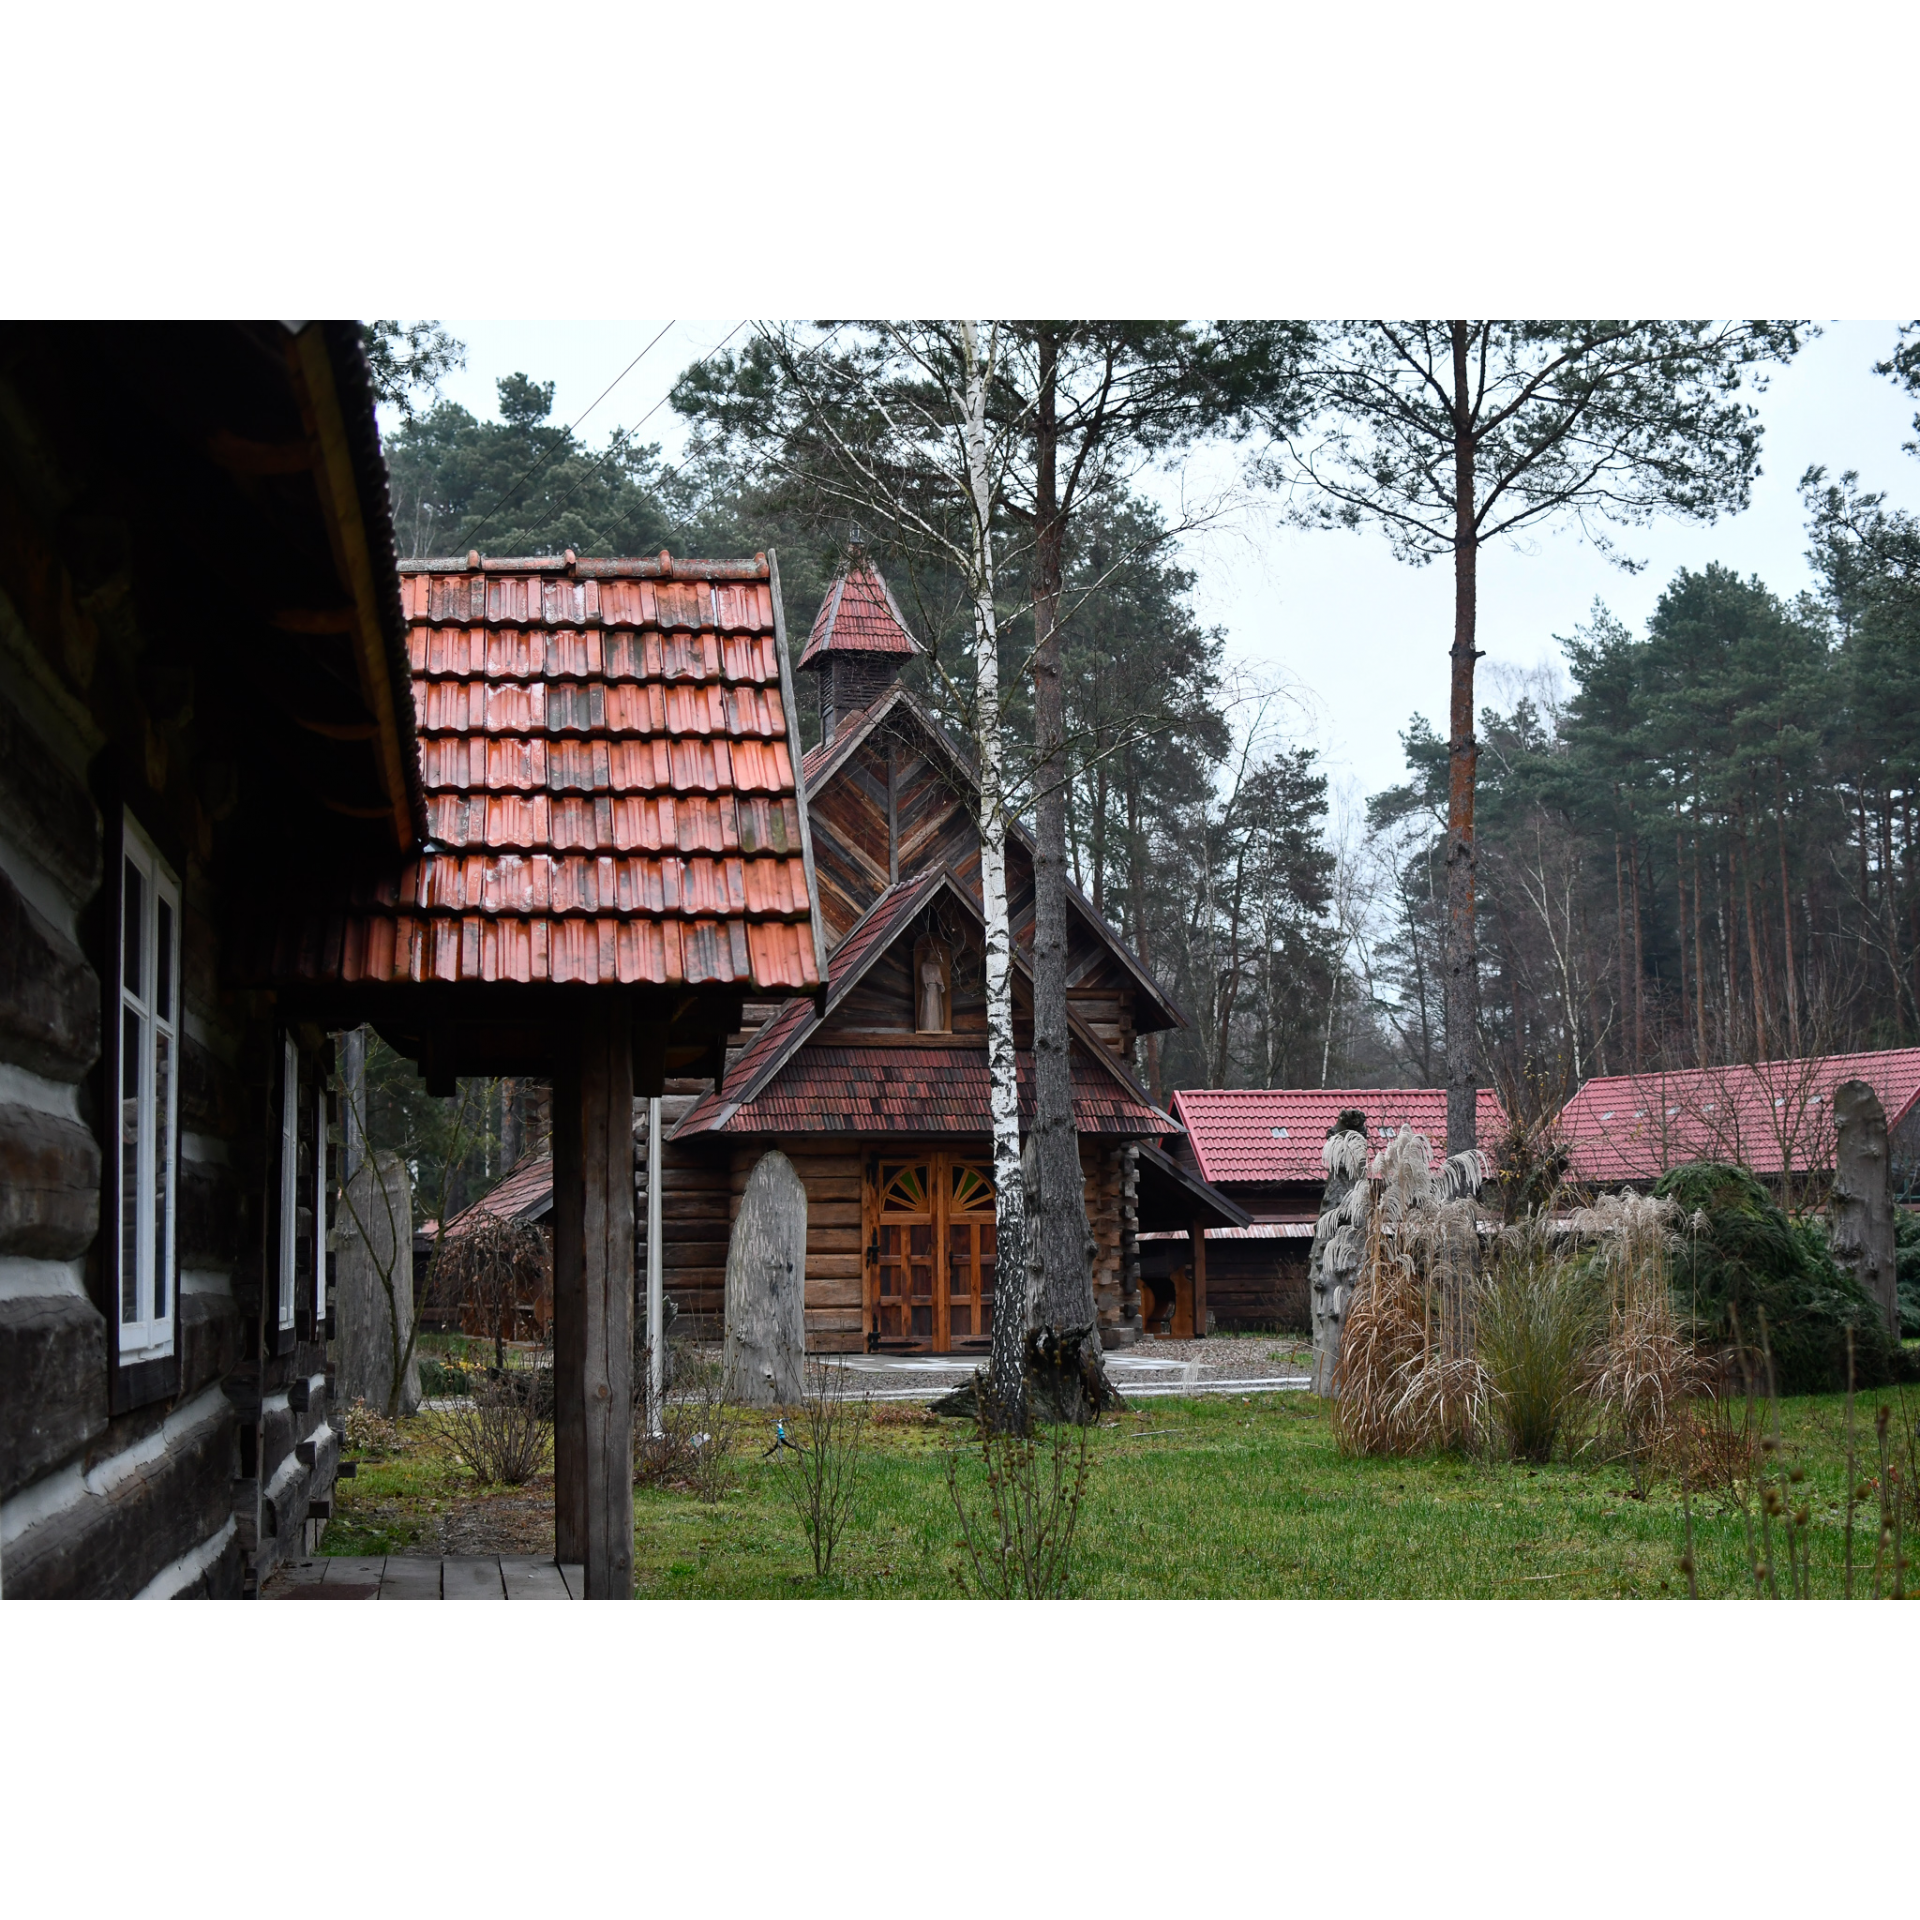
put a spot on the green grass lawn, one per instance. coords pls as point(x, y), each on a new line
point(1207, 1498)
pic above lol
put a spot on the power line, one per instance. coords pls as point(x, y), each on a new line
point(642, 421)
point(519, 484)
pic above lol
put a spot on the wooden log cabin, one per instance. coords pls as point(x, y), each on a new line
point(1261, 1147)
point(528, 817)
point(878, 1091)
point(201, 681)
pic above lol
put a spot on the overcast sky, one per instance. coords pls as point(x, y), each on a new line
point(1361, 638)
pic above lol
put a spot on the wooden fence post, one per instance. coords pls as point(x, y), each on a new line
point(1197, 1235)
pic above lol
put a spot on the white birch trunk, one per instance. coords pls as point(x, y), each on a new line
point(1009, 1183)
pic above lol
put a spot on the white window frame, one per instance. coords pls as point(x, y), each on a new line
point(320, 1209)
point(289, 1179)
point(150, 1120)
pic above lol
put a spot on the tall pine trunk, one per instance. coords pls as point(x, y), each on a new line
point(1463, 756)
point(1060, 1244)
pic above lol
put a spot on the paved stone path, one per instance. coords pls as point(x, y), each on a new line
point(405, 1576)
point(1138, 1372)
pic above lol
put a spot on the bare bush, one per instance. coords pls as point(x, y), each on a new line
point(696, 1434)
point(493, 1273)
point(1018, 1520)
point(502, 1434)
point(822, 1464)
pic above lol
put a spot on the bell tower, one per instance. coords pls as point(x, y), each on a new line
point(859, 643)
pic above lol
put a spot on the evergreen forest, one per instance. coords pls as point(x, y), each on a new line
point(1695, 844)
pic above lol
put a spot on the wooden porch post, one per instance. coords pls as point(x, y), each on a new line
point(593, 1296)
point(1197, 1239)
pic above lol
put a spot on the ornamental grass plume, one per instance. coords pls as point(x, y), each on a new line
point(1409, 1378)
point(1646, 1374)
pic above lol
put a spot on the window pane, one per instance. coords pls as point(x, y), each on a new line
point(129, 1165)
point(163, 961)
point(289, 1177)
point(162, 1166)
point(132, 974)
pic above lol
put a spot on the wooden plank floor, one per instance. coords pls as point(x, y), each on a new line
point(419, 1577)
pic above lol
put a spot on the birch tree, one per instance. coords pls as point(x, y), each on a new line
point(900, 428)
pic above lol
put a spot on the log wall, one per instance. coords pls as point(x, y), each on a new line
point(195, 1477)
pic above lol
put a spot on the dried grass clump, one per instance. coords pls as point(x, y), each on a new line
point(1409, 1377)
point(1647, 1375)
point(368, 1431)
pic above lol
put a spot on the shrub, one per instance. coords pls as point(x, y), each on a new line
point(1744, 1259)
point(822, 1465)
point(1017, 1532)
point(698, 1432)
point(443, 1379)
point(500, 1434)
point(368, 1431)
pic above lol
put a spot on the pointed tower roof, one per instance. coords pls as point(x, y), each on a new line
point(859, 615)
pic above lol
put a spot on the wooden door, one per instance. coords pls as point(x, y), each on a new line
point(905, 1246)
point(968, 1241)
point(930, 1253)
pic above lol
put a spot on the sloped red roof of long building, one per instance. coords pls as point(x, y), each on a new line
point(1772, 1118)
point(611, 790)
point(1265, 1135)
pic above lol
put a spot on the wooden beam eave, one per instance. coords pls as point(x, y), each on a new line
point(346, 528)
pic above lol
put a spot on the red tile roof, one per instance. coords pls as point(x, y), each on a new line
point(1263, 1135)
point(858, 616)
point(610, 790)
point(1773, 1119)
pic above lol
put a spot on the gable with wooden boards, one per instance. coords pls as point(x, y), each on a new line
point(878, 1092)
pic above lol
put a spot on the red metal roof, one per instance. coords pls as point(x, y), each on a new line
point(1263, 1135)
point(610, 790)
point(858, 616)
point(1774, 1118)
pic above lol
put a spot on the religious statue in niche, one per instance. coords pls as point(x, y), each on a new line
point(932, 987)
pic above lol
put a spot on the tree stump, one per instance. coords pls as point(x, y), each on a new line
point(766, 1289)
point(1066, 1385)
point(373, 1242)
point(1860, 1209)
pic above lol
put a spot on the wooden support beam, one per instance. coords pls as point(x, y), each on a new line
point(593, 1296)
point(1197, 1235)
